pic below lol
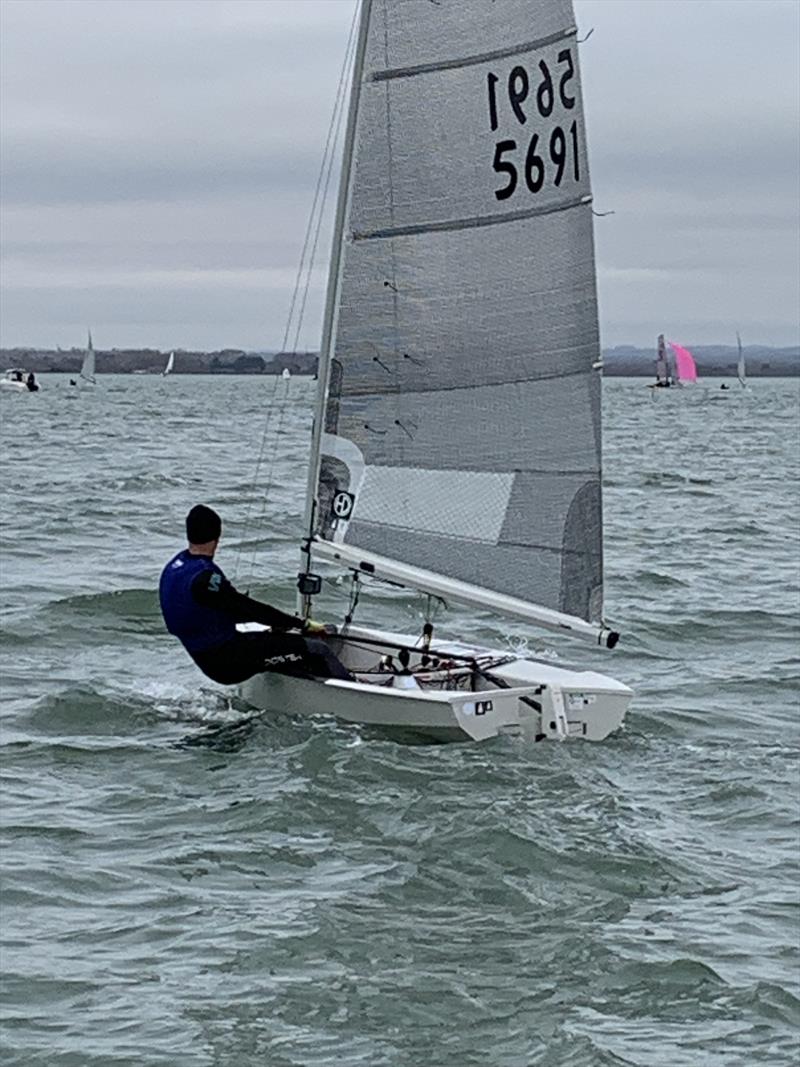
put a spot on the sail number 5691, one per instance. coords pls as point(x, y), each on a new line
point(548, 155)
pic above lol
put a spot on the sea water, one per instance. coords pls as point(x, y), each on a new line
point(186, 884)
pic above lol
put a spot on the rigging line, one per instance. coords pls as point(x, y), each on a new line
point(317, 206)
point(282, 405)
point(259, 461)
point(328, 155)
point(349, 59)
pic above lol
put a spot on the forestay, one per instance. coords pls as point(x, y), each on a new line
point(460, 414)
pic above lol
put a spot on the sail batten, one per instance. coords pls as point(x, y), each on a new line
point(458, 427)
point(469, 223)
point(467, 61)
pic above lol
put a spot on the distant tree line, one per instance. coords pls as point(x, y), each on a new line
point(713, 361)
point(153, 361)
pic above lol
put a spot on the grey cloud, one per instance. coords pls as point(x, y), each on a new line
point(158, 164)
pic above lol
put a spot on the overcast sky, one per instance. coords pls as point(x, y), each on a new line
point(159, 159)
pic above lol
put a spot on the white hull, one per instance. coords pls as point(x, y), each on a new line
point(542, 701)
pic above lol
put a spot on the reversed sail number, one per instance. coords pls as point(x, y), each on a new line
point(342, 504)
point(548, 154)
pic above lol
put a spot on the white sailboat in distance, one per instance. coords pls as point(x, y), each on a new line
point(170, 364)
point(87, 372)
point(456, 448)
point(741, 369)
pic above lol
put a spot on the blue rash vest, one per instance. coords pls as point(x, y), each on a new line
point(199, 627)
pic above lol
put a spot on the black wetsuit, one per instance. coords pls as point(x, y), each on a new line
point(201, 608)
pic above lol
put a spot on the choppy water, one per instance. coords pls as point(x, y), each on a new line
point(186, 886)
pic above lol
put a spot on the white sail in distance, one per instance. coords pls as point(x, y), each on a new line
point(459, 426)
point(741, 371)
point(170, 364)
point(87, 367)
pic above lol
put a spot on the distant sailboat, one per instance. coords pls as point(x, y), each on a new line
point(685, 366)
point(664, 376)
point(86, 376)
point(170, 364)
point(741, 370)
point(286, 373)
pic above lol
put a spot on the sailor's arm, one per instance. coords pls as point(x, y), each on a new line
point(215, 591)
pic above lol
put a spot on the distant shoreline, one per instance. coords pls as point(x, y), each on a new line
point(623, 361)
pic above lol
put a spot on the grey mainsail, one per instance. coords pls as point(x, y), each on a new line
point(459, 421)
point(663, 373)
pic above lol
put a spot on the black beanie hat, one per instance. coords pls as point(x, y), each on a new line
point(202, 525)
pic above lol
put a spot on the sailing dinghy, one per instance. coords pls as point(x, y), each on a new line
point(741, 369)
point(170, 364)
point(456, 448)
point(86, 376)
point(665, 374)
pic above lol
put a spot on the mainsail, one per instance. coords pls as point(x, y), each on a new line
point(685, 366)
point(662, 363)
point(458, 430)
point(170, 364)
point(87, 367)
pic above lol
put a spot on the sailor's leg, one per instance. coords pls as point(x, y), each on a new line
point(253, 653)
point(327, 662)
point(293, 654)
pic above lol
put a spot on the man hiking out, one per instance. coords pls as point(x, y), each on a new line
point(201, 608)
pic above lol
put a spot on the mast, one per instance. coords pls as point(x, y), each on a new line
point(331, 298)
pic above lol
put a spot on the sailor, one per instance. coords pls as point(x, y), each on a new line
point(30, 381)
point(201, 608)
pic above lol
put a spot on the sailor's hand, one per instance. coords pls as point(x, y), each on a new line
point(314, 629)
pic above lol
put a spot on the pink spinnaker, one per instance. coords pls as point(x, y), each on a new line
point(684, 363)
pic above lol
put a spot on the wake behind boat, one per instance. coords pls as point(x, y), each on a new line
point(456, 448)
